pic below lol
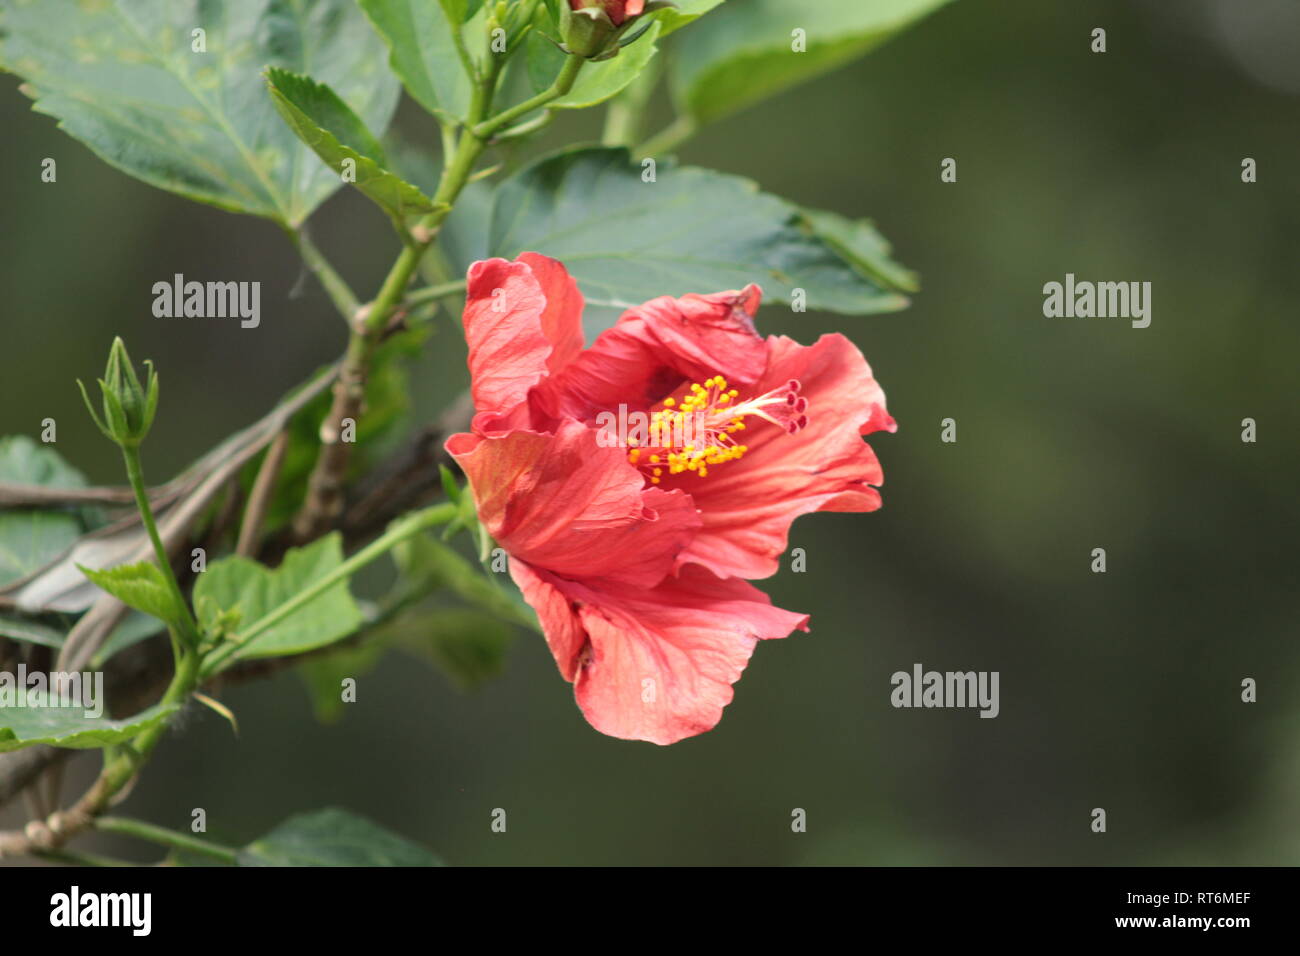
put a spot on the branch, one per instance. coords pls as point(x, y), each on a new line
point(137, 677)
point(14, 495)
point(323, 503)
point(169, 838)
point(250, 531)
point(432, 293)
point(562, 85)
point(334, 284)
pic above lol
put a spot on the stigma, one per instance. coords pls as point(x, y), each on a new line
point(697, 428)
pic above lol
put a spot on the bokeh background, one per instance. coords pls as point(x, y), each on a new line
point(1119, 690)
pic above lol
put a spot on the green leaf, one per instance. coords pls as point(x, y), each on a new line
point(31, 538)
point(745, 52)
point(450, 488)
point(142, 586)
point(427, 565)
point(254, 590)
point(69, 727)
point(326, 124)
point(468, 645)
point(422, 52)
point(333, 837)
point(861, 244)
point(672, 19)
point(123, 77)
point(31, 632)
point(458, 11)
point(135, 627)
point(24, 461)
point(692, 230)
point(324, 675)
point(596, 82)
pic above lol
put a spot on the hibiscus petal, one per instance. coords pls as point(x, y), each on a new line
point(522, 323)
point(654, 665)
point(557, 614)
point(655, 347)
point(565, 503)
point(748, 505)
point(562, 317)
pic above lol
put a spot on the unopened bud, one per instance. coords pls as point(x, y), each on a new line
point(594, 28)
point(129, 407)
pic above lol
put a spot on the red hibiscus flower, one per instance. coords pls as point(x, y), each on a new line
point(638, 483)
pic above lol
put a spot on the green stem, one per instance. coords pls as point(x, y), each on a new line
point(462, 51)
point(334, 284)
point(626, 113)
point(562, 85)
point(124, 761)
point(161, 835)
point(447, 136)
point(526, 128)
point(324, 488)
point(431, 292)
point(405, 528)
point(135, 474)
point(453, 180)
point(669, 138)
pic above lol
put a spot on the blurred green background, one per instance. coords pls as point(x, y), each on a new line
point(1118, 690)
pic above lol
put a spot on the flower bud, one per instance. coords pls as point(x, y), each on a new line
point(129, 407)
point(593, 28)
point(618, 11)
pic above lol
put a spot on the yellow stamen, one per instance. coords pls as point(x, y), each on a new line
point(693, 433)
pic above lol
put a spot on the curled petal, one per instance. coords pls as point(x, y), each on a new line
point(558, 616)
point(562, 316)
point(565, 503)
point(654, 665)
point(523, 323)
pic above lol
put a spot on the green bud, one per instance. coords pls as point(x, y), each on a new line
point(129, 407)
point(596, 28)
point(586, 32)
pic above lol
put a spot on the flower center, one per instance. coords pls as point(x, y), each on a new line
point(695, 432)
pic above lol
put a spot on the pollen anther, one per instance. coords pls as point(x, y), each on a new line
point(694, 432)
